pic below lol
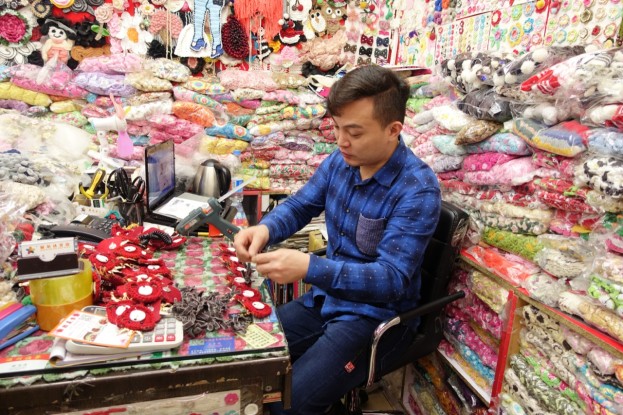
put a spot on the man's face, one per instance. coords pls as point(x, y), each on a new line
point(362, 140)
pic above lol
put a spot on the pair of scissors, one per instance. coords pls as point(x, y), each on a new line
point(97, 189)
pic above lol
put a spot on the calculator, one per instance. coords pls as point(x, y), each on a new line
point(168, 334)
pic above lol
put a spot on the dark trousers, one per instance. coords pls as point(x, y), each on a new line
point(329, 357)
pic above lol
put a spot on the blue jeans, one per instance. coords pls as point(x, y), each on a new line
point(329, 358)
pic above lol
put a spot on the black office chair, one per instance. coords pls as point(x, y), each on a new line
point(437, 267)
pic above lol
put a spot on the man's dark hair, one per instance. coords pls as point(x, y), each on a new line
point(388, 91)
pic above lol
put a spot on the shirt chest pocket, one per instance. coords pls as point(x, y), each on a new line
point(369, 233)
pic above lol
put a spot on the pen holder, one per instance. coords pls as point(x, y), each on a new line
point(56, 297)
point(131, 212)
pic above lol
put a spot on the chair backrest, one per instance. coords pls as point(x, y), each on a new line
point(437, 267)
point(438, 264)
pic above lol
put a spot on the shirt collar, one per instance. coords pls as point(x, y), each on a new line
point(390, 170)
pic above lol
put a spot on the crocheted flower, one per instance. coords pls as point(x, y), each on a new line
point(133, 38)
point(104, 13)
point(14, 28)
point(147, 9)
point(496, 17)
point(515, 34)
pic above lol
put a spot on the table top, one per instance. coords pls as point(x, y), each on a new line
point(198, 264)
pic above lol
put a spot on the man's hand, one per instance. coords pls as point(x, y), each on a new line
point(249, 242)
point(283, 265)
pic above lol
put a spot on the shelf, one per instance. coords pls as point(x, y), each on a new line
point(482, 394)
point(596, 336)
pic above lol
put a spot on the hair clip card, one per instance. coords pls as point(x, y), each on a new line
point(92, 329)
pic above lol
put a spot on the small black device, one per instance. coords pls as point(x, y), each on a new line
point(86, 228)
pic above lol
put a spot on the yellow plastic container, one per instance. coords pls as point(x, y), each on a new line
point(56, 297)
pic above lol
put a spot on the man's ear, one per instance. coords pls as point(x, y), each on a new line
point(395, 128)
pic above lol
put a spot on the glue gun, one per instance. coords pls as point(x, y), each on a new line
point(211, 215)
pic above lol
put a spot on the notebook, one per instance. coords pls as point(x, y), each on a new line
point(165, 204)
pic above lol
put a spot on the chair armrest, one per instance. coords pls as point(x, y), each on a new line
point(382, 328)
point(429, 307)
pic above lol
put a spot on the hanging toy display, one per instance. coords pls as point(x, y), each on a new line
point(235, 40)
point(61, 37)
point(289, 34)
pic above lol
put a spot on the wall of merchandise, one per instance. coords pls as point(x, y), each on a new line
point(431, 31)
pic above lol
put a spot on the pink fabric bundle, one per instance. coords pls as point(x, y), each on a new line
point(315, 160)
point(563, 164)
point(286, 156)
point(112, 64)
point(449, 175)
point(514, 172)
point(485, 161)
point(235, 79)
point(425, 149)
point(59, 81)
point(173, 125)
point(466, 335)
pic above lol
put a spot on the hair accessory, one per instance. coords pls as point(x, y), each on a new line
point(596, 30)
point(382, 42)
point(171, 294)
point(380, 53)
point(368, 40)
point(563, 20)
point(586, 16)
point(14, 28)
point(117, 308)
point(249, 294)
point(257, 308)
point(364, 61)
point(145, 291)
point(610, 30)
point(365, 51)
point(103, 262)
point(41, 8)
point(350, 48)
point(138, 317)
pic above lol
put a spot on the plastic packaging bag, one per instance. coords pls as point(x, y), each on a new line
point(486, 104)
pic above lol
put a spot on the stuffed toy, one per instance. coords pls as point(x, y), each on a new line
point(547, 112)
point(299, 12)
point(334, 16)
point(316, 24)
point(261, 48)
point(591, 77)
point(61, 37)
point(289, 33)
point(519, 69)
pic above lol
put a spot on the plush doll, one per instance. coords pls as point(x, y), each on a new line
point(289, 34)
point(334, 16)
point(298, 11)
point(520, 69)
point(61, 37)
point(548, 113)
point(261, 48)
point(316, 24)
